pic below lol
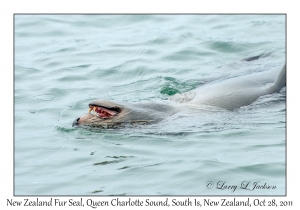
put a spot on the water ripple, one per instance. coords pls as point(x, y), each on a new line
point(44, 97)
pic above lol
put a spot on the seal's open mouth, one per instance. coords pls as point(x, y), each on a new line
point(100, 113)
point(104, 112)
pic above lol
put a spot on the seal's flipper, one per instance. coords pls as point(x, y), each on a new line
point(281, 80)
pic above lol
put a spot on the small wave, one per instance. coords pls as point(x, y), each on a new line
point(108, 162)
point(44, 97)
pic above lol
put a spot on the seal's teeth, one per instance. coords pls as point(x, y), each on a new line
point(90, 109)
point(94, 109)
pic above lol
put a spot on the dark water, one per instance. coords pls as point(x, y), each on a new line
point(62, 62)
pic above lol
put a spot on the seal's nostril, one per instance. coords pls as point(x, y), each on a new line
point(76, 122)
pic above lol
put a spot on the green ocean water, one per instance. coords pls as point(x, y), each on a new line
point(62, 62)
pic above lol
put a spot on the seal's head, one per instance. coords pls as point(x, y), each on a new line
point(101, 113)
point(107, 114)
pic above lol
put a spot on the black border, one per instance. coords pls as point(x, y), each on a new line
point(127, 196)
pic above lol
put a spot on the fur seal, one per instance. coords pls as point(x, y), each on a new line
point(228, 94)
point(107, 114)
